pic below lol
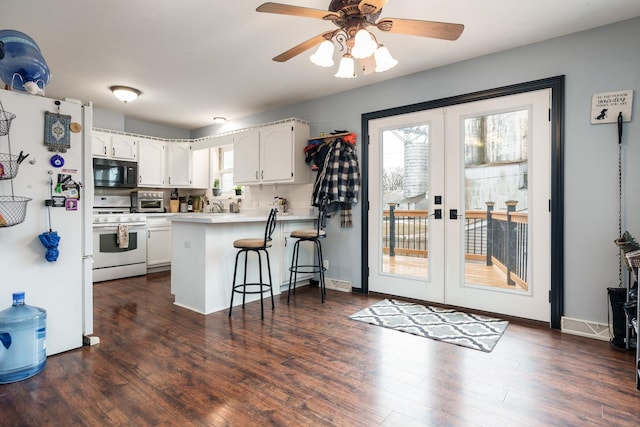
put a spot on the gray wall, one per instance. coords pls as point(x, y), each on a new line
point(105, 119)
point(601, 60)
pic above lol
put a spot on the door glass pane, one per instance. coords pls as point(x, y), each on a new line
point(405, 187)
point(496, 211)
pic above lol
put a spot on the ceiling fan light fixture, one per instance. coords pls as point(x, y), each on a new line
point(363, 46)
point(384, 60)
point(323, 57)
point(125, 93)
point(346, 70)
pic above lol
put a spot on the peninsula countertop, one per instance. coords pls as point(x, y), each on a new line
point(203, 255)
point(224, 218)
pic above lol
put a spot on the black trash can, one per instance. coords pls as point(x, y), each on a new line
point(617, 298)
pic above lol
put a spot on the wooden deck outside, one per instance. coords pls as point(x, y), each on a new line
point(476, 272)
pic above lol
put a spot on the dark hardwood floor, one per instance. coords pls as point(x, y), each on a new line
point(307, 363)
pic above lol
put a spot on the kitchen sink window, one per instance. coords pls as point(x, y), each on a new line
point(225, 159)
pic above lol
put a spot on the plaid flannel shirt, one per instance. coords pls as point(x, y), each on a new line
point(339, 179)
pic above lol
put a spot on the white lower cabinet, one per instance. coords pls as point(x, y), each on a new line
point(158, 242)
point(306, 255)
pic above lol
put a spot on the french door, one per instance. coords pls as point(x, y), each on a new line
point(459, 205)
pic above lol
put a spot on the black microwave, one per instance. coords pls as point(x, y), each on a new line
point(114, 173)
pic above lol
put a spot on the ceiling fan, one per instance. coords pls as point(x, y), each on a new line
point(353, 17)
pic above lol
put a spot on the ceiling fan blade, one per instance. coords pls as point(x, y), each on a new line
point(412, 27)
point(285, 9)
point(306, 45)
point(369, 7)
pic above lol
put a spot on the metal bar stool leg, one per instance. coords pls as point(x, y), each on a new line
point(260, 283)
point(320, 268)
point(244, 286)
point(293, 270)
point(273, 304)
point(233, 286)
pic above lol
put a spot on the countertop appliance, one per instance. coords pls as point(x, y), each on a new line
point(147, 201)
point(111, 173)
point(110, 259)
point(64, 287)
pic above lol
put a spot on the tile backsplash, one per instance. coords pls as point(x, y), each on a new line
point(258, 198)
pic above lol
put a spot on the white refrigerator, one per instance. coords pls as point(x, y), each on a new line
point(62, 287)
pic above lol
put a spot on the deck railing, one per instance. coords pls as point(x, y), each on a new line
point(496, 237)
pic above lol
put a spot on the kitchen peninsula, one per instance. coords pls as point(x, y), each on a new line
point(203, 256)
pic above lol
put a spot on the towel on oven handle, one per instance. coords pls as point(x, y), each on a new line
point(122, 237)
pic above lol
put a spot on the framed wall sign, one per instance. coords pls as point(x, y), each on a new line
point(56, 131)
point(605, 107)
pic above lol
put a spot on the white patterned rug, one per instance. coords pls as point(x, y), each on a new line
point(442, 324)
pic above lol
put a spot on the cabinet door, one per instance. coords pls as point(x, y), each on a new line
point(100, 144)
point(179, 164)
point(158, 246)
point(151, 163)
point(246, 157)
point(276, 153)
point(123, 148)
point(201, 172)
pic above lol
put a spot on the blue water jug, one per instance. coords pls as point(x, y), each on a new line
point(22, 66)
point(22, 340)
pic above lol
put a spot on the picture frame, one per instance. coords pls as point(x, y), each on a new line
point(56, 131)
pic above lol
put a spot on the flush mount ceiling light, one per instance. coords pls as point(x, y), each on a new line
point(125, 93)
point(219, 119)
point(353, 17)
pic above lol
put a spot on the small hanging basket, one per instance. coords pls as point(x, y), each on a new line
point(8, 166)
point(5, 121)
point(13, 210)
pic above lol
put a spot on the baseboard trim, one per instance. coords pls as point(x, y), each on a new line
point(585, 328)
point(337, 285)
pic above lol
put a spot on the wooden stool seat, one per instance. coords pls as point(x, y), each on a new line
point(250, 244)
point(306, 234)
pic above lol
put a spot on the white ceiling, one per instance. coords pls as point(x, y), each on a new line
point(195, 59)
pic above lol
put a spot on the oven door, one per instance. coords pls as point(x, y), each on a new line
point(107, 253)
point(150, 205)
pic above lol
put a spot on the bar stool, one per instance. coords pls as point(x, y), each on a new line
point(257, 245)
point(310, 235)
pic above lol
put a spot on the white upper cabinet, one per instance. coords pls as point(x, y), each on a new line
point(179, 164)
point(114, 146)
point(151, 163)
point(201, 169)
point(100, 144)
point(272, 154)
point(246, 157)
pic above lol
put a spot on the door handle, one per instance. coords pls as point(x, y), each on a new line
point(453, 214)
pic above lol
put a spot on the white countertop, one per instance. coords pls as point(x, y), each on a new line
point(222, 218)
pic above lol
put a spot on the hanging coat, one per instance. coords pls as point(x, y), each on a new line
point(338, 181)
